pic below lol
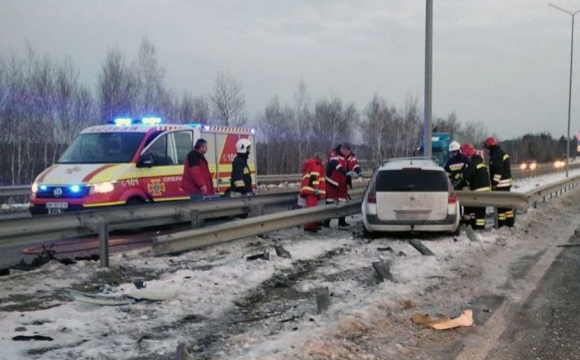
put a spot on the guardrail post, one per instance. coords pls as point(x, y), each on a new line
point(260, 209)
point(103, 227)
point(495, 218)
point(193, 216)
point(195, 219)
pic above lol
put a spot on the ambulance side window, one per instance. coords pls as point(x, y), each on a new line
point(159, 152)
point(183, 144)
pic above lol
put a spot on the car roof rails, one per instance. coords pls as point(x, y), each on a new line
point(411, 159)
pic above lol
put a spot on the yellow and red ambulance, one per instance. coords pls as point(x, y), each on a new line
point(133, 162)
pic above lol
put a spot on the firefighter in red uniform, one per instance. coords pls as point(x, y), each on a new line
point(475, 174)
point(196, 179)
point(501, 177)
point(313, 187)
point(339, 169)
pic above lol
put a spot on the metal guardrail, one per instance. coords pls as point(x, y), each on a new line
point(20, 190)
point(194, 239)
point(24, 190)
point(517, 173)
point(49, 228)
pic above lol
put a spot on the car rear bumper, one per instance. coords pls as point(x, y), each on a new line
point(373, 223)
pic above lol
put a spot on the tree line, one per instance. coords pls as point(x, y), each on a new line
point(43, 105)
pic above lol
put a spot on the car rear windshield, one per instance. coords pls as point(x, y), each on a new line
point(415, 180)
point(98, 148)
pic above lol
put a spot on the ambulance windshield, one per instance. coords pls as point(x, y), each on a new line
point(102, 148)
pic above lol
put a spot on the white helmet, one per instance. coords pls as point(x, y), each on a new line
point(454, 146)
point(242, 146)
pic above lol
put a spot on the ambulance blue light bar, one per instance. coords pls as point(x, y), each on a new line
point(151, 121)
point(75, 189)
point(123, 121)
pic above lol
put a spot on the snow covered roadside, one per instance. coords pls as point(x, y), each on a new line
point(214, 286)
point(464, 274)
point(207, 283)
point(529, 184)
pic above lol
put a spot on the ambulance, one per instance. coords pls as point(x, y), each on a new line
point(133, 161)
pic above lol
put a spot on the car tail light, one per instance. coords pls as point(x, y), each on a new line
point(372, 195)
point(452, 199)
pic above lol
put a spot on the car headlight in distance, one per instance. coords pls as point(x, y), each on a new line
point(523, 166)
point(34, 188)
point(533, 166)
point(102, 188)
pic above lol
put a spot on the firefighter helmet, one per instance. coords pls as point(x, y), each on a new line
point(467, 150)
point(243, 146)
point(454, 146)
point(490, 142)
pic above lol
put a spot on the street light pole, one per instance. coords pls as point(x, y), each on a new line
point(428, 79)
point(572, 14)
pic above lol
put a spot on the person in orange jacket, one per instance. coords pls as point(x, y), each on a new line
point(313, 187)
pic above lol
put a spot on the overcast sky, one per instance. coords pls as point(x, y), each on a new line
point(501, 62)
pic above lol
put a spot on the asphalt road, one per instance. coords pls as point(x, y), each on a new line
point(547, 326)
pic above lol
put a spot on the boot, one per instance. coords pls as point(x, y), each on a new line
point(342, 222)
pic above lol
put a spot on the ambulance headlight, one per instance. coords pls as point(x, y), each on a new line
point(34, 188)
point(102, 188)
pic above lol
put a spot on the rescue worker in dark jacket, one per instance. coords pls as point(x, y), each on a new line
point(454, 166)
point(241, 181)
point(454, 169)
point(196, 179)
point(501, 178)
point(339, 170)
point(475, 175)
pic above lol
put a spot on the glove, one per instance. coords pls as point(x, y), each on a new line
point(316, 192)
point(349, 173)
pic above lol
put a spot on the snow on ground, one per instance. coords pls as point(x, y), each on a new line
point(214, 286)
point(529, 184)
point(111, 332)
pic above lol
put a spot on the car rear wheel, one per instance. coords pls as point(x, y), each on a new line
point(370, 234)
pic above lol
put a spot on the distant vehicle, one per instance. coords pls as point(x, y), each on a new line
point(559, 164)
point(529, 165)
point(439, 147)
point(410, 194)
point(133, 161)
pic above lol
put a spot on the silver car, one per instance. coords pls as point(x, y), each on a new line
point(410, 194)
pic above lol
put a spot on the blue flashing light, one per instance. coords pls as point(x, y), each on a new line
point(207, 127)
point(43, 187)
point(123, 121)
point(151, 121)
point(253, 131)
point(75, 188)
point(195, 125)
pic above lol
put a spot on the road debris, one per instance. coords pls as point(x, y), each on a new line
point(465, 319)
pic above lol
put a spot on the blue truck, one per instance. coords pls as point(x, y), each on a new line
point(439, 147)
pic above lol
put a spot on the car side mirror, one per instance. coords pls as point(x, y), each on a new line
point(146, 160)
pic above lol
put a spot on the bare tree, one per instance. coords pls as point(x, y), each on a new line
point(117, 87)
point(152, 97)
point(194, 109)
point(475, 133)
point(228, 101)
point(275, 126)
point(302, 119)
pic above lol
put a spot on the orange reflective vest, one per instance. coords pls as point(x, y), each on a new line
point(313, 179)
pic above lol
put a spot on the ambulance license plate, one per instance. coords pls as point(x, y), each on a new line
point(57, 205)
